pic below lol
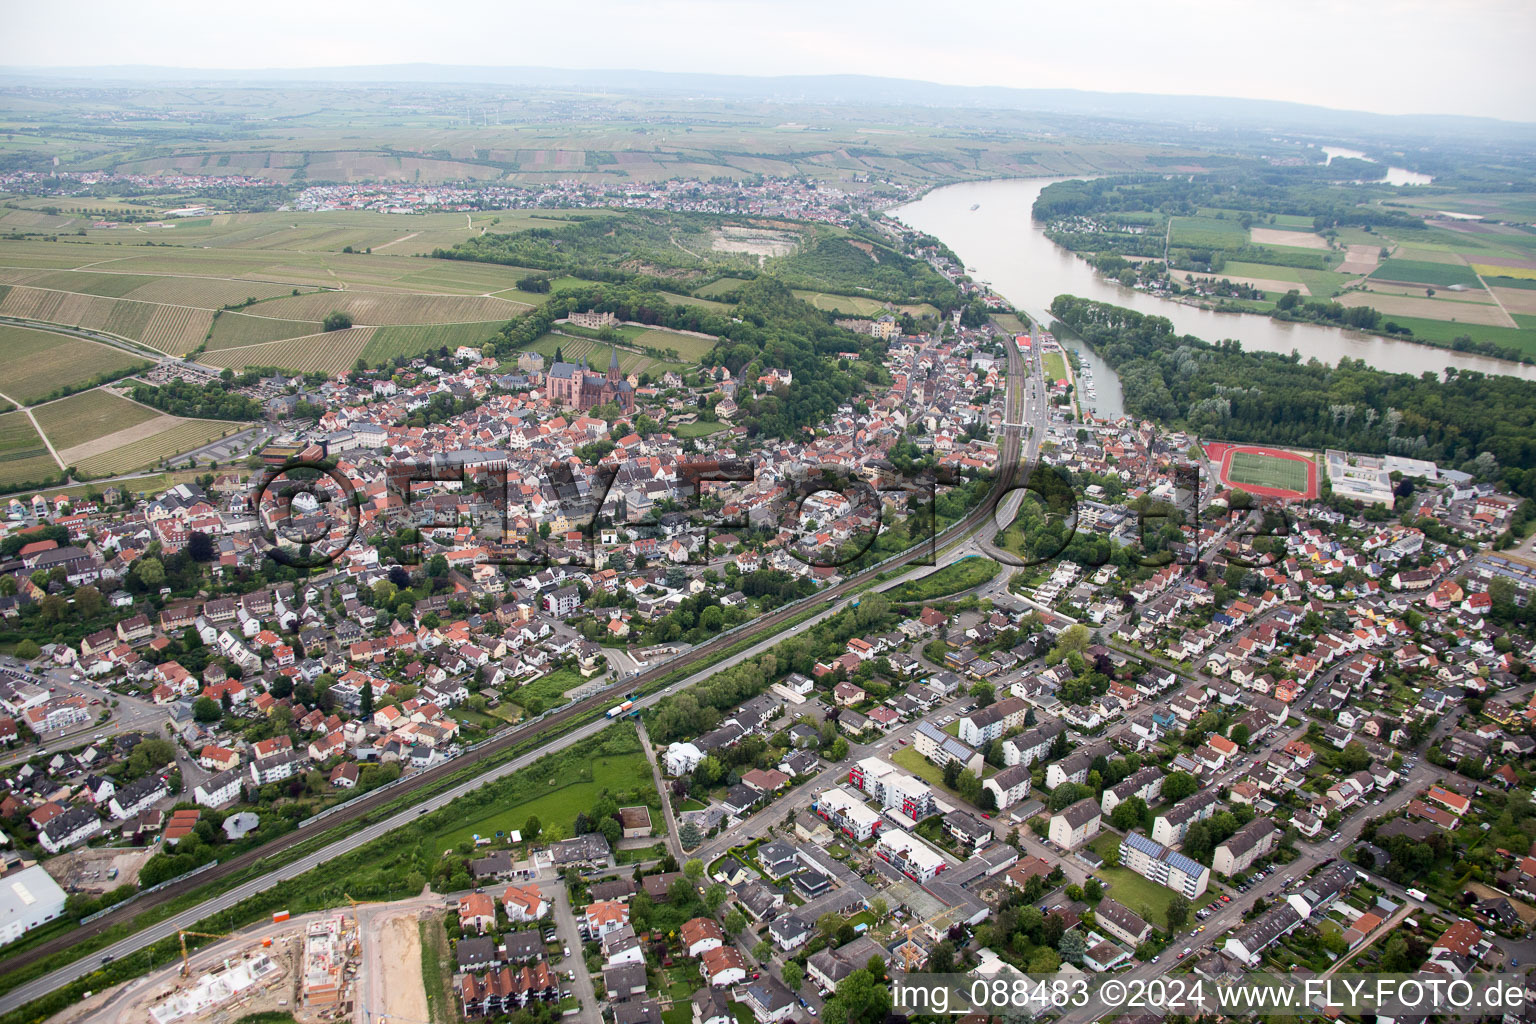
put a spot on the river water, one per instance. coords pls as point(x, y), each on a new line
point(1003, 246)
point(1395, 175)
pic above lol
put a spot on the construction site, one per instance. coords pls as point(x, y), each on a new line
point(305, 967)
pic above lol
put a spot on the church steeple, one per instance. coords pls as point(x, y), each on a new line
point(614, 375)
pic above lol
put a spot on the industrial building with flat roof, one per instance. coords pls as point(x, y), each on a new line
point(29, 898)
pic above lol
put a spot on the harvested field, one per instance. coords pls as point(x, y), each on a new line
point(1417, 291)
point(38, 363)
point(1360, 259)
point(1263, 284)
point(380, 309)
point(1298, 239)
point(181, 435)
point(330, 352)
point(1481, 313)
point(73, 421)
point(1517, 300)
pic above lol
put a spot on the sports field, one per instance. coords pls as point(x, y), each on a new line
point(1265, 472)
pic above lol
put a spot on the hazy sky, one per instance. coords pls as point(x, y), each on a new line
point(1403, 56)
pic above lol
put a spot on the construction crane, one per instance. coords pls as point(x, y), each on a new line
point(181, 936)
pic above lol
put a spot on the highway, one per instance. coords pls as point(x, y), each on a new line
point(706, 655)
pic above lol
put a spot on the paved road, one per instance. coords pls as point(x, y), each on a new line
point(1009, 453)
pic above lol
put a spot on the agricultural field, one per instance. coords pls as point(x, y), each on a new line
point(175, 330)
point(1295, 239)
point(1480, 313)
point(179, 436)
point(846, 305)
point(698, 429)
point(38, 363)
point(688, 348)
point(596, 353)
point(24, 457)
point(237, 330)
point(689, 300)
point(332, 352)
point(79, 419)
point(1207, 233)
point(720, 287)
point(1439, 275)
point(383, 308)
point(413, 339)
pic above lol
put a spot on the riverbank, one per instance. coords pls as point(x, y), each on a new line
point(1008, 249)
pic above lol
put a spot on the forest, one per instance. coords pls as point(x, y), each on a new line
point(1466, 420)
point(207, 401)
point(768, 329)
point(612, 246)
point(1258, 188)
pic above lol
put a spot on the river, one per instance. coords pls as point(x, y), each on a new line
point(1004, 246)
point(1395, 175)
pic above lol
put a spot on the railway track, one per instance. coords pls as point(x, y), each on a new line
point(1008, 459)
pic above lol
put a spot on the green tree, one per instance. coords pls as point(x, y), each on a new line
point(27, 649)
point(1179, 785)
point(942, 959)
point(206, 709)
point(694, 869)
point(861, 998)
point(150, 571)
point(1177, 914)
point(793, 975)
point(735, 921)
point(714, 897)
point(337, 320)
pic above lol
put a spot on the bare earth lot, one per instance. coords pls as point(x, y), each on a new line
point(1360, 259)
point(1483, 314)
point(399, 969)
point(1299, 239)
point(1263, 284)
